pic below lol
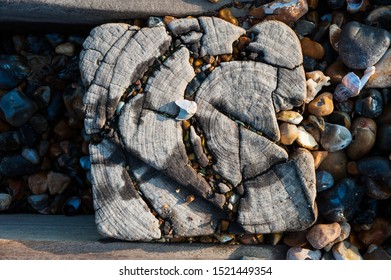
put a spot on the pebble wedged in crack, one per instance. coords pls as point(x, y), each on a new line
point(145, 183)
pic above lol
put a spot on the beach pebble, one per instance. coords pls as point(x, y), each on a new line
point(17, 107)
point(40, 203)
point(14, 165)
point(346, 251)
point(38, 183)
point(322, 234)
point(306, 140)
point(364, 137)
point(5, 201)
point(322, 105)
point(339, 203)
point(73, 101)
point(382, 76)
point(289, 116)
point(304, 27)
point(57, 182)
point(375, 189)
point(289, 133)
point(374, 166)
point(336, 71)
point(13, 69)
point(379, 232)
point(335, 137)
point(312, 49)
point(31, 155)
point(340, 118)
point(335, 163)
point(319, 156)
point(296, 238)
point(362, 45)
point(67, 49)
point(370, 104)
point(324, 180)
point(298, 253)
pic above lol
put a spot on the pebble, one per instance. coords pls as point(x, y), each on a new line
point(336, 71)
point(340, 118)
point(9, 141)
point(289, 133)
point(5, 201)
point(298, 253)
point(345, 233)
point(31, 155)
point(321, 235)
point(352, 168)
point(382, 76)
point(27, 135)
point(384, 136)
point(226, 15)
point(72, 206)
point(55, 39)
point(306, 140)
point(41, 96)
point(324, 180)
point(38, 183)
point(289, 116)
point(40, 203)
point(319, 156)
point(85, 163)
point(318, 122)
point(364, 137)
point(248, 239)
point(57, 182)
point(67, 49)
point(376, 252)
point(304, 27)
point(223, 188)
point(335, 163)
point(13, 70)
point(296, 238)
point(322, 105)
point(379, 232)
point(73, 100)
point(286, 11)
point(346, 251)
point(17, 107)
point(312, 129)
point(380, 17)
point(334, 36)
point(155, 21)
point(15, 166)
point(312, 49)
point(370, 104)
point(362, 45)
point(315, 81)
point(375, 166)
point(345, 106)
point(335, 137)
point(339, 203)
point(374, 189)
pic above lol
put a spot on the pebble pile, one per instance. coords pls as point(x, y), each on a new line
point(345, 124)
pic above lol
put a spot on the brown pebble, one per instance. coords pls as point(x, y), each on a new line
point(319, 156)
point(209, 59)
point(190, 198)
point(18, 188)
point(364, 137)
point(378, 233)
point(186, 125)
point(168, 19)
point(226, 15)
point(322, 234)
point(248, 239)
point(63, 131)
point(335, 163)
point(38, 183)
point(206, 239)
point(296, 238)
point(224, 225)
point(322, 105)
point(198, 62)
point(289, 133)
point(226, 57)
point(352, 168)
point(57, 182)
point(139, 22)
point(345, 232)
point(336, 71)
point(312, 49)
point(243, 42)
point(55, 150)
point(312, 4)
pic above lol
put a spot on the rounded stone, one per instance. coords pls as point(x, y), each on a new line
point(361, 45)
point(73, 101)
point(375, 189)
point(57, 182)
point(370, 104)
point(336, 164)
point(298, 253)
point(321, 235)
point(289, 116)
point(39, 202)
point(13, 69)
point(322, 105)
point(382, 76)
point(339, 203)
point(375, 166)
point(378, 233)
point(319, 156)
point(5, 201)
point(335, 137)
point(67, 49)
point(346, 251)
point(364, 137)
point(17, 107)
point(288, 133)
point(324, 180)
point(296, 238)
point(384, 138)
point(312, 49)
point(336, 71)
point(304, 27)
point(306, 140)
point(38, 183)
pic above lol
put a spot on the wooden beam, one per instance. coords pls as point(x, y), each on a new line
point(26, 236)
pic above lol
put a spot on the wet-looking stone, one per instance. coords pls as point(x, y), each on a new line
point(154, 175)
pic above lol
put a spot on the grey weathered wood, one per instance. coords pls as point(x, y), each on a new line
point(281, 199)
point(218, 36)
point(237, 104)
point(169, 83)
point(118, 206)
point(277, 44)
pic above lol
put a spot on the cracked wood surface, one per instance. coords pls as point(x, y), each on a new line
point(145, 182)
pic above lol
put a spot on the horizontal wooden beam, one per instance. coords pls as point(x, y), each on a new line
point(26, 236)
